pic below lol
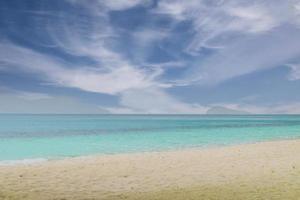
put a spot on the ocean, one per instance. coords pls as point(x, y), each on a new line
point(38, 137)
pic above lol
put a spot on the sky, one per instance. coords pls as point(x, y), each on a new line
point(149, 56)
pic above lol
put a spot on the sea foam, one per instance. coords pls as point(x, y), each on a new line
point(22, 162)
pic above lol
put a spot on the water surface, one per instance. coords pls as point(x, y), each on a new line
point(58, 136)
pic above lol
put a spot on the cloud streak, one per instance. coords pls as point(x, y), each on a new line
point(248, 55)
point(294, 72)
point(246, 36)
point(214, 20)
point(90, 47)
point(55, 71)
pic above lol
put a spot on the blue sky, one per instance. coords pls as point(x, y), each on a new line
point(143, 56)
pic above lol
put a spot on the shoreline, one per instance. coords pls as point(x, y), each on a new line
point(39, 160)
point(263, 169)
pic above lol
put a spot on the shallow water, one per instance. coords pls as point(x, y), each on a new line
point(58, 136)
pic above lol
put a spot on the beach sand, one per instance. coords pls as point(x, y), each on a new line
point(267, 170)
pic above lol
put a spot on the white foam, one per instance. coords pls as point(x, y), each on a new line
point(22, 162)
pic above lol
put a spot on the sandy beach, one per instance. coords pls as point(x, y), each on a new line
point(267, 170)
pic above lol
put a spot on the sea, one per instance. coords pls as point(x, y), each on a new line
point(26, 138)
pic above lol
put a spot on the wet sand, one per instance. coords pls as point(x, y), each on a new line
point(267, 170)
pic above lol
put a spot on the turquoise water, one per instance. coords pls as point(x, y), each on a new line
point(58, 136)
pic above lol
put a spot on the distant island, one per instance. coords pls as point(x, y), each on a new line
point(220, 110)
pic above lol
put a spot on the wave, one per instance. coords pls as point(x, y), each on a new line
point(22, 162)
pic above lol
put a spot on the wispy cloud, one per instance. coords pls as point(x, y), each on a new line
point(214, 20)
point(137, 90)
point(87, 51)
point(155, 101)
point(248, 55)
point(108, 5)
point(124, 4)
point(57, 72)
point(111, 73)
point(294, 72)
point(264, 41)
point(246, 36)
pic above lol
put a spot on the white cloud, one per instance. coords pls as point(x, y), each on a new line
point(136, 102)
point(178, 9)
point(55, 71)
point(92, 38)
point(253, 19)
point(294, 72)
point(154, 101)
point(265, 37)
point(297, 7)
point(120, 110)
point(247, 55)
point(248, 36)
point(143, 40)
point(100, 6)
point(145, 37)
point(122, 4)
point(214, 20)
point(111, 73)
point(89, 38)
